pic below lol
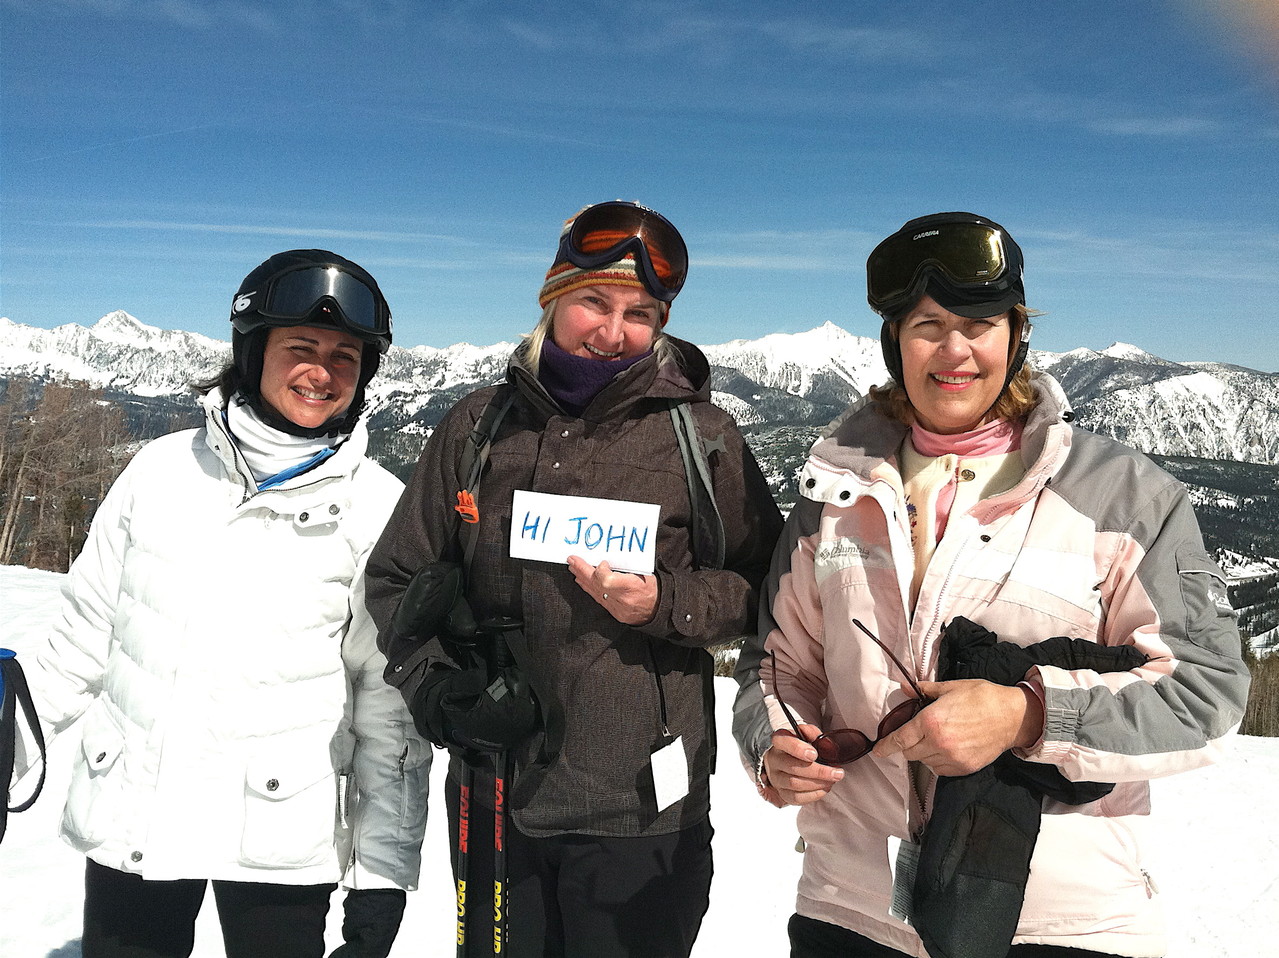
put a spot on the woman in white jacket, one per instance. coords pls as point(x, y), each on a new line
point(236, 727)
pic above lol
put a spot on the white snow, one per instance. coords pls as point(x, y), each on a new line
point(1197, 386)
point(1130, 352)
point(1217, 869)
point(789, 361)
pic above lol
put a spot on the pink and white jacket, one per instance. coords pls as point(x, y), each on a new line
point(1094, 542)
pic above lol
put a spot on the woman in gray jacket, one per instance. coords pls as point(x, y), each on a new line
point(610, 798)
point(954, 811)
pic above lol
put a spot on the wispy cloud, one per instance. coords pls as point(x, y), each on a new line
point(862, 43)
point(1025, 100)
point(505, 130)
point(113, 144)
point(293, 232)
point(785, 250)
point(187, 14)
point(1182, 252)
point(1157, 126)
point(672, 27)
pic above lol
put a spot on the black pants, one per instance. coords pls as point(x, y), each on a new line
point(127, 917)
point(584, 896)
point(810, 938)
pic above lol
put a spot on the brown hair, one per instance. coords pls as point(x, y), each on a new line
point(1017, 399)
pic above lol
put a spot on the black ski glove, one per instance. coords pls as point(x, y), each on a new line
point(468, 710)
point(371, 919)
point(974, 857)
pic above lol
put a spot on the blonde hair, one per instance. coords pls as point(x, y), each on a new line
point(1016, 400)
point(531, 344)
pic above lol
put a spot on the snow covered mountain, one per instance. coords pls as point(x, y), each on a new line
point(117, 352)
point(1201, 410)
point(1206, 410)
point(1214, 426)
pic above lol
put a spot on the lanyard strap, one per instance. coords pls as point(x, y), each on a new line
point(14, 689)
point(661, 693)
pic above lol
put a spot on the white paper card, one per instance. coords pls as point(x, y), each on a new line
point(670, 773)
point(903, 859)
point(552, 528)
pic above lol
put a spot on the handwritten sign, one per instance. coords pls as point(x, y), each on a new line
point(552, 528)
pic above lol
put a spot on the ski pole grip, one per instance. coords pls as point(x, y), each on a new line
point(495, 629)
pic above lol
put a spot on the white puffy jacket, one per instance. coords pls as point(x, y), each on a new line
point(236, 723)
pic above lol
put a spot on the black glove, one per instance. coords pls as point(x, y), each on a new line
point(468, 710)
point(974, 856)
point(971, 651)
point(433, 603)
point(370, 922)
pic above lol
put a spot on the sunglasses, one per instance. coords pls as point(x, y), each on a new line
point(606, 232)
point(847, 745)
point(294, 295)
point(968, 256)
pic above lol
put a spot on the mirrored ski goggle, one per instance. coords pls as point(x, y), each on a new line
point(294, 295)
point(968, 256)
point(606, 232)
point(846, 745)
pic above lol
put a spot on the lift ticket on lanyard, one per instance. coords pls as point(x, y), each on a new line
point(551, 528)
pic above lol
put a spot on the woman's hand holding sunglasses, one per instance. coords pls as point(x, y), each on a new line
point(793, 776)
point(970, 723)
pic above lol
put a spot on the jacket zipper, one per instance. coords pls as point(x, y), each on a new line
point(914, 828)
point(243, 472)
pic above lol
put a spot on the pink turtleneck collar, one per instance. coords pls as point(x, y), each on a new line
point(993, 439)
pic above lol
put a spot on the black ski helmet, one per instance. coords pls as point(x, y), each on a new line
point(308, 287)
point(969, 264)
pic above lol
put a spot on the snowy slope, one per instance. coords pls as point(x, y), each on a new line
point(1218, 871)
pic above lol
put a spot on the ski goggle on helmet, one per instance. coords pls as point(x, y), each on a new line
point(313, 287)
point(608, 233)
point(969, 264)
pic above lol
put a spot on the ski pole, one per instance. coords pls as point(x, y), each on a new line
point(433, 603)
point(462, 861)
point(500, 905)
point(501, 658)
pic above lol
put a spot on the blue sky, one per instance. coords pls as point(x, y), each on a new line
point(153, 151)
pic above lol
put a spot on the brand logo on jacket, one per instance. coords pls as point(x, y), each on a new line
point(841, 549)
point(837, 555)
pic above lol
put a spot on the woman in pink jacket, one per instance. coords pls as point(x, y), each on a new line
point(961, 491)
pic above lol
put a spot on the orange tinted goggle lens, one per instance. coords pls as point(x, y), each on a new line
point(606, 232)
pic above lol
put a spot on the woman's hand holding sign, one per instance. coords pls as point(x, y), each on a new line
point(628, 597)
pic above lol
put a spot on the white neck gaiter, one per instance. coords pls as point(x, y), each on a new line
point(267, 450)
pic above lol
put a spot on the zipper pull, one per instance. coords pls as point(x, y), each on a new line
point(1151, 888)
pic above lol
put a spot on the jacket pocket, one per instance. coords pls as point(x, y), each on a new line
point(290, 809)
point(415, 784)
point(1203, 590)
point(94, 804)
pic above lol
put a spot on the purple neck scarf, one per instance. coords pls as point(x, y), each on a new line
point(573, 381)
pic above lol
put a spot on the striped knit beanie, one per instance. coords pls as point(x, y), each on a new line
point(564, 277)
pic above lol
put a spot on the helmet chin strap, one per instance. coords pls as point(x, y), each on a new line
point(333, 427)
point(1014, 365)
point(247, 354)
